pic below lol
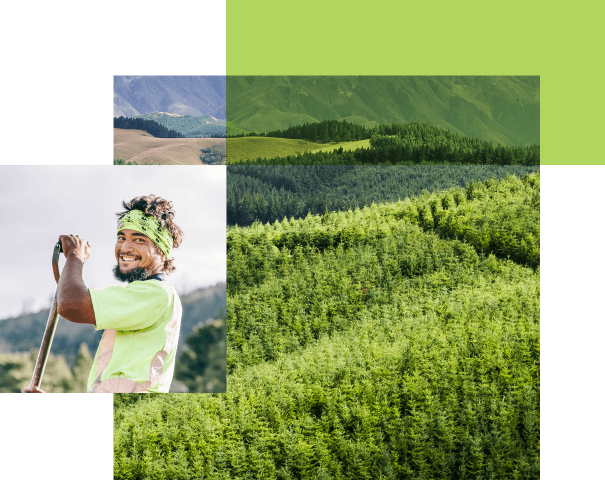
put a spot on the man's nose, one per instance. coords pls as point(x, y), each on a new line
point(127, 246)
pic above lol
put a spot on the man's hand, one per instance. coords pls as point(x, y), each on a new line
point(74, 246)
point(32, 390)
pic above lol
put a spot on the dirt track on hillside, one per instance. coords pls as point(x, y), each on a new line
point(140, 147)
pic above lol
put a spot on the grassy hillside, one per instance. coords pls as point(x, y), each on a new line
point(367, 344)
point(139, 147)
point(503, 110)
point(346, 146)
point(245, 148)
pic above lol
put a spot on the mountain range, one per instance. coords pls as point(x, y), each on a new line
point(182, 95)
point(501, 109)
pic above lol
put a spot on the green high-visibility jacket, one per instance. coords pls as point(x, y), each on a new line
point(137, 351)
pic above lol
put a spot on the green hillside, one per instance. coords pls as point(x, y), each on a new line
point(325, 137)
point(271, 192)
point(242, 149)
point(388, 144)
point(396, 341)
point(346, 146)
point(503, 110)
point(188, 125)
point(233, 129)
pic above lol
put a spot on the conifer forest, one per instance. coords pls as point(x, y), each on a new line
point(381, 324)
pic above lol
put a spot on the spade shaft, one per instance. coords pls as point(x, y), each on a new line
point(51, 326)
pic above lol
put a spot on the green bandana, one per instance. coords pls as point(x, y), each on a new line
point(148, 225)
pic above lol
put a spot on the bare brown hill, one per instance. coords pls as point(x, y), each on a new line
point(140, 147)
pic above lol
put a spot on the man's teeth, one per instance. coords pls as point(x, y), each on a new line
point(128, 259)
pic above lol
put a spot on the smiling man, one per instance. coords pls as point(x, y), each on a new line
point(141, 321)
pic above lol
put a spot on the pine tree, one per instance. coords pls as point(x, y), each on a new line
point(326, 135)
point(81, 370)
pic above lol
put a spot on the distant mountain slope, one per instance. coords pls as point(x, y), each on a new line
point(121, 107)
point(233, 129)
point(192, 95)
point(500, 109)
point(24, 333)
point(188, 125)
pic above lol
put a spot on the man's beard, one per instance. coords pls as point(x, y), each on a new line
point(137, 274)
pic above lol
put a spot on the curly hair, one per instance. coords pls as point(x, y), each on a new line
point(162, 211)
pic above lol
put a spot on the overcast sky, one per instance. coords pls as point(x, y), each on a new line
point(39, 203)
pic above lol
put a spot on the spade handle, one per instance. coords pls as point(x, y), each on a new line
point(51, 325)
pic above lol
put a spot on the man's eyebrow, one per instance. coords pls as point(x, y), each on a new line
point(135, 234)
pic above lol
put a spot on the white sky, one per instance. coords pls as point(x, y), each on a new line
point(39, 203)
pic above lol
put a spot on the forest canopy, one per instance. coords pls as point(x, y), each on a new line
point(269, 193)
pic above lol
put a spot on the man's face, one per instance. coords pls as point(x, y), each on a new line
point(135, 252)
